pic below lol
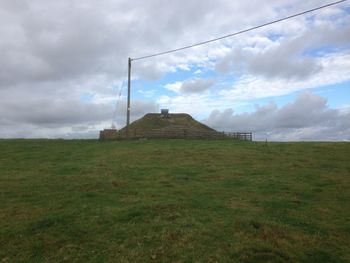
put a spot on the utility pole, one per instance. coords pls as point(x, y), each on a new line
point(128, 106)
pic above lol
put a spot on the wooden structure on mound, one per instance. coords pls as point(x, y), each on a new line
point(166, 126)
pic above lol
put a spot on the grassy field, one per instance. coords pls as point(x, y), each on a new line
point(174, 201)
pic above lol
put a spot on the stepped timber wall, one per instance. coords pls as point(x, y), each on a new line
point(175, 132)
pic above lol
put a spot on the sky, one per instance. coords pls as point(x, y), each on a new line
point(63, 66)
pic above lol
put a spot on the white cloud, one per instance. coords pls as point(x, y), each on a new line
point(335, 69)
point(53, 52)
point(64, 118)
point(147, 93)
point(307, 118)
point(195, 85)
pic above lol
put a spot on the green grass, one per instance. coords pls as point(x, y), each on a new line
point(153, 121)
point(174, 201)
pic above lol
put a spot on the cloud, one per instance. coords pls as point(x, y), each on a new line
point(195, 85)
point(43, 41)
point(54, 113)
point(64, 119)
point(286, 58)
point(274, 63)
point(335, 69)
point(241, 91)
point(53, 52)
point(307, 118)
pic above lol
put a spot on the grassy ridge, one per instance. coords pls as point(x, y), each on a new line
point(174, 201)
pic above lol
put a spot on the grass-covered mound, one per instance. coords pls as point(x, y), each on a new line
point(157, 121)
point(174, 201)
point(179, 125)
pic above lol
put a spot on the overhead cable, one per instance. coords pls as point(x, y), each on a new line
point(239, 32)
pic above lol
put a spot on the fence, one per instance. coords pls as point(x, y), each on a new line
point(243, 136)
point(183, 133)
point(174, 133)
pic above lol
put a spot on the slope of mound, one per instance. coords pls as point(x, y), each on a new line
point(156, 121)
point(180, 125)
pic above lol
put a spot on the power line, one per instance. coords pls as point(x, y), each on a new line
point(239, 32)
point(118, 99)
